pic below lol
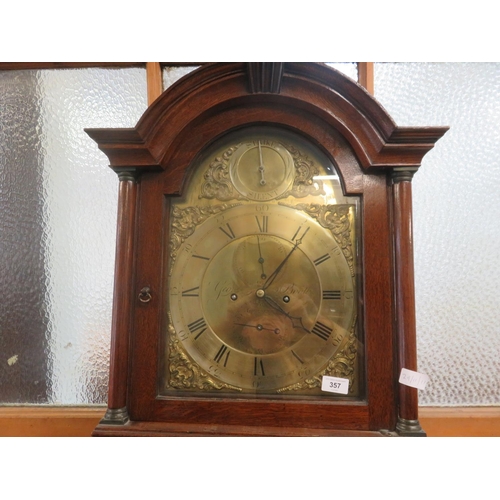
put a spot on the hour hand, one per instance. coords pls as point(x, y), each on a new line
point(296, 320)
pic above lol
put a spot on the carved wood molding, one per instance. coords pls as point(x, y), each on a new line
point(265, 77)
point(266, 92)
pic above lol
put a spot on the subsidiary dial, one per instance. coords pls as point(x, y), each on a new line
point(262, 169)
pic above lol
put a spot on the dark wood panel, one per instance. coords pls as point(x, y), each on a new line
point(378, 294)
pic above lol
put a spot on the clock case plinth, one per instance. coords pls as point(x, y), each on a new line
point(376, 161)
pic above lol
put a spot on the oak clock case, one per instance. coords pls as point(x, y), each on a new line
point(262, 284)
point(247, 272)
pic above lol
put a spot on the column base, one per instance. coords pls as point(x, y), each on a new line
point(117, 416)
point(409, 428)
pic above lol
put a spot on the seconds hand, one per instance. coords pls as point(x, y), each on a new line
point(261, 167)
point(259, 327)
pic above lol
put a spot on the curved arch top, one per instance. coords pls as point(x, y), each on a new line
point(224, 95)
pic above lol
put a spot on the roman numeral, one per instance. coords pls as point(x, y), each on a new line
point(191, 292)
point(321, 259)
point(296, 356)
point(258, 367)
point(229, 233)
point(337, 340)
point(262, 222)
point(200, 257)
point(199, 324)
point(321, 330)
point(220, 354)
point(331, 294)
point(297, 232)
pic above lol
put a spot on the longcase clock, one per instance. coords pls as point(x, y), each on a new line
point(264, 266)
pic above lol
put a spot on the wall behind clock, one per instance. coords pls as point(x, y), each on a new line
point(58, 214)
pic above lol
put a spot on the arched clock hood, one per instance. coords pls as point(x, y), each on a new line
point(278, 93)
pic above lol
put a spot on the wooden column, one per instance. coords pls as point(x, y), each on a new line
point(122, 299)
point(408, 423)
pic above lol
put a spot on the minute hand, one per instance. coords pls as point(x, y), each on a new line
point(278, 269)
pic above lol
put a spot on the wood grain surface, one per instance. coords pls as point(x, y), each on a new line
point(32, 421)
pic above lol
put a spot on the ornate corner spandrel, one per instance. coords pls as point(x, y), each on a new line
point(185, 375)
point(217, 181)
point(304, 183)
point(337, 219)
point(184, 224)
point(343, 365)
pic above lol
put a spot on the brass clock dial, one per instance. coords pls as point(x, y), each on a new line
point(261, 169)
point(262, 292)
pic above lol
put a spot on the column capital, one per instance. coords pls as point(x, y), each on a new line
point(402, 174)
point(126, 173)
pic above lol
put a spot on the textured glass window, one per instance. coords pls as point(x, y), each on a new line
point(58, 202)
point(173, 73)
point(456, 224)
point(349, 69)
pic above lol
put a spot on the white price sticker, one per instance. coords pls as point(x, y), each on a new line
point(335, 384)
point(413, 379)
